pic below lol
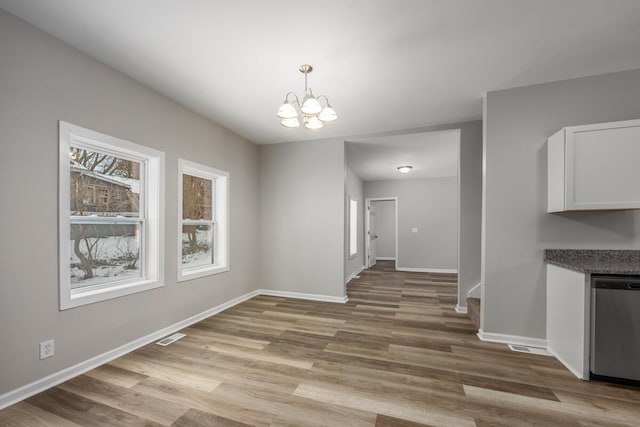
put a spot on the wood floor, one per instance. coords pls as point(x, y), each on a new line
point(396, 354)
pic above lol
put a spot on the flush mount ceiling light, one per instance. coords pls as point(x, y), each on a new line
point(312, 113)
point(405, 169)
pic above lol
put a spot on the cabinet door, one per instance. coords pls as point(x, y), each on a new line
point(603, 166)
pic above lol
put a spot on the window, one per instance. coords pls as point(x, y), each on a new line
point(202, 226)
point(111, 217)
point(353, 227)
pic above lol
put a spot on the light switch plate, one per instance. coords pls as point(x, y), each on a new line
point(414, 229)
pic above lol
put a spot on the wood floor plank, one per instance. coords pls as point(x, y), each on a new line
point(216, 404)
point(135, 362)
point(596, 413)
point(116, 376)
point(206, 336)
point(84, 411)
point(385, 405)
point(387, 421)
point(25, 414)
point(157, 410)
point(297, 410)
point(195, 418)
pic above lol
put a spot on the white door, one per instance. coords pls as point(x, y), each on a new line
point(373, 237)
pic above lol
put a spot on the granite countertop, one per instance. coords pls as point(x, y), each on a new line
point(595, 261)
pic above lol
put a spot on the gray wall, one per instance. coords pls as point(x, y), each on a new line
point(432, 206)
point(353, 190)
point(518, 229)
point(385, 228)
point(302, 210)
point(470, 208)
point(42, 81)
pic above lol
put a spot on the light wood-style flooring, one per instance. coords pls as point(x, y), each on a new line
point(397, 354)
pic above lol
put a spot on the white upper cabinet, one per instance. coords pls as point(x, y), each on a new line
point(594, 167)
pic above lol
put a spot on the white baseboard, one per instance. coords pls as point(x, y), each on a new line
point(385, 258)
point(511, 339)
point(354, 274)
point(461, 310)
point(426, 270)
point(298, 295)
point(56, 378)
point(28, 390)
point(476, 291)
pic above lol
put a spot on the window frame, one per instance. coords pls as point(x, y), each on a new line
point(220, 219)
point(151, 216)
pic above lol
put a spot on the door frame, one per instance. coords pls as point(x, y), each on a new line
point(367, 203)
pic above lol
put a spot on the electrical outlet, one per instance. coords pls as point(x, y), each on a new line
point(46, 349)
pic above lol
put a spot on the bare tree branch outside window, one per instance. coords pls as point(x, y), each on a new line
point(103, 186)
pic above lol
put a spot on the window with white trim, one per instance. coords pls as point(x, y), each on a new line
point(353, 228)
point(111, 217)
point(203, 233)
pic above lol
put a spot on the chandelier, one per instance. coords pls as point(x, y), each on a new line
point(311, 111)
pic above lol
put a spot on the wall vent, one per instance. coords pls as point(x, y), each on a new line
point(528, 349)
point(170, 339)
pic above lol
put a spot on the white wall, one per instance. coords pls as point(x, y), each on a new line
point(431, 205)
point(518, 229)
point(302, 209)
point(353, 190)
point(42, 80)
point(385, 228)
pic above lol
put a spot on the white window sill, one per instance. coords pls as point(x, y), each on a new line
point(80, 297)
point(184, 276)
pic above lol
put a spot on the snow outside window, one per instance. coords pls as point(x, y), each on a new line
point(110, 217)
point(203, 226)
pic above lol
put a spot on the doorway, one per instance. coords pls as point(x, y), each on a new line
point(381, 230)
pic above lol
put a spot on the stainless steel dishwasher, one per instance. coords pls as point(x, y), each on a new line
point(615, 328)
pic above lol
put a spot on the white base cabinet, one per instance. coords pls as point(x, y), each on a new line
point(594, 167)
point(568, 318)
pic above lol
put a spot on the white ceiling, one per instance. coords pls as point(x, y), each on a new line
point(386, 65)
point(432, 155)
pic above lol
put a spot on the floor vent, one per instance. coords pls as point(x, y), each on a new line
point(170, 339)
point(531, 350)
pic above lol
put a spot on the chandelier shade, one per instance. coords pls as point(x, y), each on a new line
point(311, 111)
point(328, 114)
point(313, 122)
point(287, 111)
point(292, 122)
